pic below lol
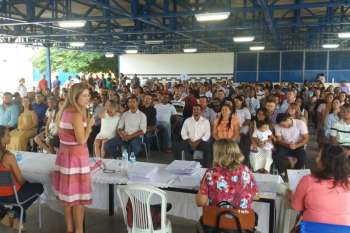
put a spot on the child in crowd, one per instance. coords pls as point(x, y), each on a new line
point(261, 152)
point(109, 122)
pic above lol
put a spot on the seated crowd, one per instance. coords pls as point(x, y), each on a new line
point(229, 129)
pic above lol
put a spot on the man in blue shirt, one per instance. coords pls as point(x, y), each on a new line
point(56, 83)
point(9, 112)
point(39, 107)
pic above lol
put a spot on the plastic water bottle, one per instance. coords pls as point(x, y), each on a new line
point(132, 158)
point(125, 158)
point(19, 157)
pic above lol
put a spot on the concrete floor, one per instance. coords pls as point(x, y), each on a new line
point(100, 222)
point(96, 222)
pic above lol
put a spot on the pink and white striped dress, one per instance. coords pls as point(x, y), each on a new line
point(71, 178)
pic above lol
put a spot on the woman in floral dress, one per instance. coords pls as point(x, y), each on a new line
point(228, 180)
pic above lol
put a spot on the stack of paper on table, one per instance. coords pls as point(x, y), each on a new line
point(268, 183)
point(139, 172)
point(294, 177)
point(182, 167)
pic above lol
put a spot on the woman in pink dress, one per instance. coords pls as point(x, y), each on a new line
point(71, 180)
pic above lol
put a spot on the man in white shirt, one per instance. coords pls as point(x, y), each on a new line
point(164, 113)
point(131, 128)
point(291, 137)
point(196, 134)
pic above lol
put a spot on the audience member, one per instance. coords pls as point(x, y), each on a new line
point(9, 112)
point(43, 84)
point(23, 188)
point(331, 118)
point(39, 107)
point(226, 126)
point(291, 97)
point(48, 139)
point(291, 137)
point(22, 89)
point(164, 113)
point(151, 113)
point(131, 128)
point(324, 196)
point(340, 131)
point(109, 122)
point(252, 102)
point(271, 111)
point(228, 180)
point(207, 113)
point(195, 134)
point(56, 84)
point(27, 128)
point(261, 152)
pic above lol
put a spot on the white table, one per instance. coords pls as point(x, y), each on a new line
point(38, 167)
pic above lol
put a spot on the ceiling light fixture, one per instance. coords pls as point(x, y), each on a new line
point(109, 55)
point(241, 39)
point(330, 46)
point(71, 23)
point(217, 16)
point(190, 50)
point(131, 51)
point(256, 48)
point(344, 35)
point(154, 42)
point(77, 44)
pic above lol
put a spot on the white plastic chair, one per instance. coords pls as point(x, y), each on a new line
point(140, 197)
point(6, 180)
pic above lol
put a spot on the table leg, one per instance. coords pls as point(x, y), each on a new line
point(272, 216)
point(111, 199)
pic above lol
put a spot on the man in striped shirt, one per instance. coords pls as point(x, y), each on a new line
point(340, 131)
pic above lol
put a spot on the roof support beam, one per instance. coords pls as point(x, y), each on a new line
point(141, 19)
point(268, 15)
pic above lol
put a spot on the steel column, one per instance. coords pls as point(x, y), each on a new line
point(48, 65)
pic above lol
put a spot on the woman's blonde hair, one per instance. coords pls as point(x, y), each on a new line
point(72, 98)
point(227, 154)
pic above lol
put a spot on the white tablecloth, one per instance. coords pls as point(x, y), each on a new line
point(38, 167)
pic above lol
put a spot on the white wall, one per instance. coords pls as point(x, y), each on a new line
point(197, 63)
point(15, 63)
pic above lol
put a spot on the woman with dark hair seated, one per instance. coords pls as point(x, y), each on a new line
point(324, 197)
point(24, 189)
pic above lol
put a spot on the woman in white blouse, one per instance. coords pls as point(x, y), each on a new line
point(109, 121)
